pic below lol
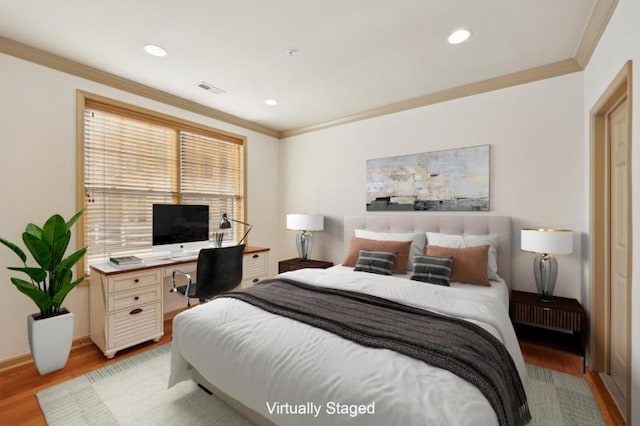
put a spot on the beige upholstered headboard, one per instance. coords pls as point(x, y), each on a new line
point(453, 224)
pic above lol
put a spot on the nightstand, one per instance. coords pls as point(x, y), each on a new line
point(560, 323)
point(296, 263)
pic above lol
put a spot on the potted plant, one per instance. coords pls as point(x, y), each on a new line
point(50, 331)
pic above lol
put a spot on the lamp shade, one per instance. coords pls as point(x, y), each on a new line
point(547, 241)
point(305, 222)
point(224, 222)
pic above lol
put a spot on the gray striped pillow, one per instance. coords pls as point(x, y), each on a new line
point(432, 269)
point(376, 262)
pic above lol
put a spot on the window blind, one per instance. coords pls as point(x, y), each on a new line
point(132, 161)
point(211, 174)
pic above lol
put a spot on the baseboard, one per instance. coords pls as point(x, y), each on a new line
point(607, 405)
point(78, 342)
point(27, 359)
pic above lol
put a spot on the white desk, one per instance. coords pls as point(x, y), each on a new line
point(128, 305)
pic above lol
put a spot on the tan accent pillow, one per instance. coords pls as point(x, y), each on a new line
point(401, 248)
point(469, 263)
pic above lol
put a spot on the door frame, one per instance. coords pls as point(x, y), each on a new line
point(599, 243)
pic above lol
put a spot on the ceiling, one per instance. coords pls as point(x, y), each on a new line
point(352, 55)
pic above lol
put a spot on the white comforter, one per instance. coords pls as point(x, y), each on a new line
point(274, 364)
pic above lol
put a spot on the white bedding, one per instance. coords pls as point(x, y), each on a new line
point(497, 289)
point(261, 359)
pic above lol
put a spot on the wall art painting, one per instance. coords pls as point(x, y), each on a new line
point(449, 180)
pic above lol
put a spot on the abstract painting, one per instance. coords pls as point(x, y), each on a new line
point(449, 180)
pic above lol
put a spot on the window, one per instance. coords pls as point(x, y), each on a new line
point(133, 158)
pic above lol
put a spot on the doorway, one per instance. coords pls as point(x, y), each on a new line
point(610, 243)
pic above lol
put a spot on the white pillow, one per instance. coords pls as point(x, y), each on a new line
point(417, 241)
point(461, 241)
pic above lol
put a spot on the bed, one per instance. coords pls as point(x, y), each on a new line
point(276, 370)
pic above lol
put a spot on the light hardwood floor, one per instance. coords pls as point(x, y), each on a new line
point(572, 364)
point(18, 385)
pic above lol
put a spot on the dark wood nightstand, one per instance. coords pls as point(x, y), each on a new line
point(560, 323)
point(296, 263)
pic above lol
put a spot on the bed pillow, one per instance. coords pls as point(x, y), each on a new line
point(401, 248)
point(469, 263)
point(418, 241)
point(458, 241)
point(432, 269)
point(375, 262)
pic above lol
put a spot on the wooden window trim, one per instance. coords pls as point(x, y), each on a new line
point(84, 99)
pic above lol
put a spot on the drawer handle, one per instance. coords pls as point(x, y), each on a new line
point(135, 311)
point(136, 280)
point(136, 298)
point(255, 256)
point(255, 280)
point(546, 309)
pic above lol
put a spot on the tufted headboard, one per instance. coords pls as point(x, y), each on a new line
point(452, 224)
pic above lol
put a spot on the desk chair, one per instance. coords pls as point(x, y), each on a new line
point(218, 270)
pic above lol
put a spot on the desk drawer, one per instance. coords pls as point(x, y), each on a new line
point(135, 298)
point(246, 283)
point(134, 280)
point(254, 265)
point(131, 326)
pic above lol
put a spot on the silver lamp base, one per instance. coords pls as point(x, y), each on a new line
point(545, 270)
point(304, 243)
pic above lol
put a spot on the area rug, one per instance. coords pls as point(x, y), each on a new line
point(134, 392)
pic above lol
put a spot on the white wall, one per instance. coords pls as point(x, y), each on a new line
point(38, 154)
point(536, 135)
point(618, 45)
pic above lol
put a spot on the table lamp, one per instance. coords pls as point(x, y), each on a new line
point(305, 223)
point(546, 242)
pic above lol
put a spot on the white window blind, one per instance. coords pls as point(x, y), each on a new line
point(132, 161)
point(211, 174)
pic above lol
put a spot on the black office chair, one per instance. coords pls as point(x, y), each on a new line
point(219, 270)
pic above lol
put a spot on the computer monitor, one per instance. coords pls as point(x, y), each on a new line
point(180, 228)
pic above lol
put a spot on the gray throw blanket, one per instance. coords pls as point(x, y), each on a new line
point(461, 347)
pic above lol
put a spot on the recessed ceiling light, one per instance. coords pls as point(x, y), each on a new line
point(271, 102)
point(459, 36)
point(154, 50)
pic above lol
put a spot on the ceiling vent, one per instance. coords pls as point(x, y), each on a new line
point(211, 88)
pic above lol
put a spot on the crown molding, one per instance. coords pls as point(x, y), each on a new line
point(59, 63)
point(598, 21)
point(521, 77)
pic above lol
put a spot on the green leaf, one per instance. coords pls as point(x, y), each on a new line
point(64, 290)
point(34, 230)
point(40, 298)
point(17, 250)
point(39, 249)
point(56, 234)
point(36, 274)
point(60, 282)
point(70, 261)
point(74, 219)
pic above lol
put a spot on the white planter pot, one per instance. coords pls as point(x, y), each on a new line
point(50, 341)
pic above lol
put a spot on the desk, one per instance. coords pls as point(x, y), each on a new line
point(128, 305)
